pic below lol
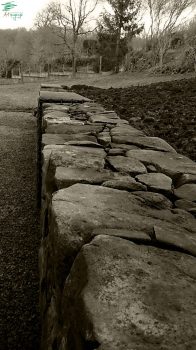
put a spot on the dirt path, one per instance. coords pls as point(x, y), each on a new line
point(19, 232)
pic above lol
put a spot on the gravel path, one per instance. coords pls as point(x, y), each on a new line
point(19, 233)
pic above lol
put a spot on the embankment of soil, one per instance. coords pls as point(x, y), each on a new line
point(166, 110)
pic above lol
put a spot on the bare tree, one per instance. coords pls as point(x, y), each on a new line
point(45, 17)
point(165, 16)
point(69, 21)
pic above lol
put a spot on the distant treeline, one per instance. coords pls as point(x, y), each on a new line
point(42, 50)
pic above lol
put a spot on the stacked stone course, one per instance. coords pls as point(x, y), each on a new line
point(117, 257)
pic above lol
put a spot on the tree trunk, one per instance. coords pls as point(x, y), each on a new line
point(100, 64)
point(21, 72)
point(74, 65)
point(74, 59)
point(163, 47)
point(161, 56)
point(6, 71)
point(117, 52)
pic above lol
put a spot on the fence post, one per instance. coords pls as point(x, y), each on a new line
point(100, 64)
point(21, 72)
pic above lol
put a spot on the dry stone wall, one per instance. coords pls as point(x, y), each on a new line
point(117, 257)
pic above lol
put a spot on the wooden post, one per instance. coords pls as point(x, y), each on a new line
point(195, 61)
point(21, 72)
point(100, 64)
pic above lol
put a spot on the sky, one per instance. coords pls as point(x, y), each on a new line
point(22, 13)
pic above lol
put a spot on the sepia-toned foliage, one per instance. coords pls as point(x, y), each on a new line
point(165, 17)
point(68, 20)
point(116, 26)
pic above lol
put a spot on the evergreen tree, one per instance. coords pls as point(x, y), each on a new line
point(122, 23)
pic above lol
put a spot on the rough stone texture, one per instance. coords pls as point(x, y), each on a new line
point(47, 95)
point(151, 169)
point(131, 297)
point(103, 118)
point(126, 131)
point(116, 152)
point(59, 118)
point(116, 260)
point(79, 157)
point(51, 86)
point(183, 179)
point(51, 107)
point(65, 177)
point(104, 138)
point(123, 146)
point(84, 143)
point(79, 212)
point(72, 128)
point(187, 191)
point(156, 181)
point(155, 200)
point(144, 142)
point(170, 164)
point(60, 139)
point(177, 238)
point(86, 207)
point(185, 204)
point(58, 115)
point(71, 157)
point(104, 114)
point(125, 183)
point(87, 107)
point(127, 165)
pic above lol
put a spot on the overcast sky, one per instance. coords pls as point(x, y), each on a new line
point(26, 11)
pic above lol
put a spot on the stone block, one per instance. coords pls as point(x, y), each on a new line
point(73, 128)
point(127, 165)
point(156, 182)
point(125, 183)
point(126, 130)
point(61, 139)
point(62, 97)
point(80, 209)
point(168, 163)
point(144, 142)
point(120, 295)
point(74, 157)
point(65, 177)
point(187, 191)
